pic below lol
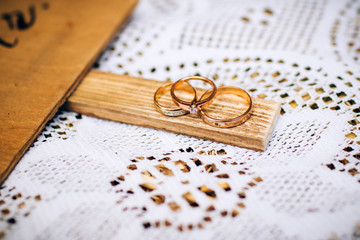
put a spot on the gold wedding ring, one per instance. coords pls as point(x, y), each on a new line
point(172, 112)
point(231, 122)
point(193, 106)
point(196, 106)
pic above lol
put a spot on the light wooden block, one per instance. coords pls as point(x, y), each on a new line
point(130, 100)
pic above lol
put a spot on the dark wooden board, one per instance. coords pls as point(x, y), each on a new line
point(45, 50)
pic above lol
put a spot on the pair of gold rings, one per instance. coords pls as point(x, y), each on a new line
point(196, 106)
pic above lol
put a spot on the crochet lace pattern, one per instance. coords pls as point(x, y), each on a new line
point(88, 178)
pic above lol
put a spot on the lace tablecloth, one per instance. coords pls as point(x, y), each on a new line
point(87, 178)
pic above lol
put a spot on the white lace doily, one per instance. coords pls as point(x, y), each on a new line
point(87, 178)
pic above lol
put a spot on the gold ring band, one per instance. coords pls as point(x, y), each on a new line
point(196, 106)
point(193, 106)
point(233, 122)
point(172, 112)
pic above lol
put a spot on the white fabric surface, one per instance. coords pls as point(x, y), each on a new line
point(306, 185)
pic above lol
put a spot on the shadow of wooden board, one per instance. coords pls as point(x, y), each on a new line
point(46, 47)
point(130, 100)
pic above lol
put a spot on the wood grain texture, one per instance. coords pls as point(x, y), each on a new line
point(130, 100)
point(45, 49)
